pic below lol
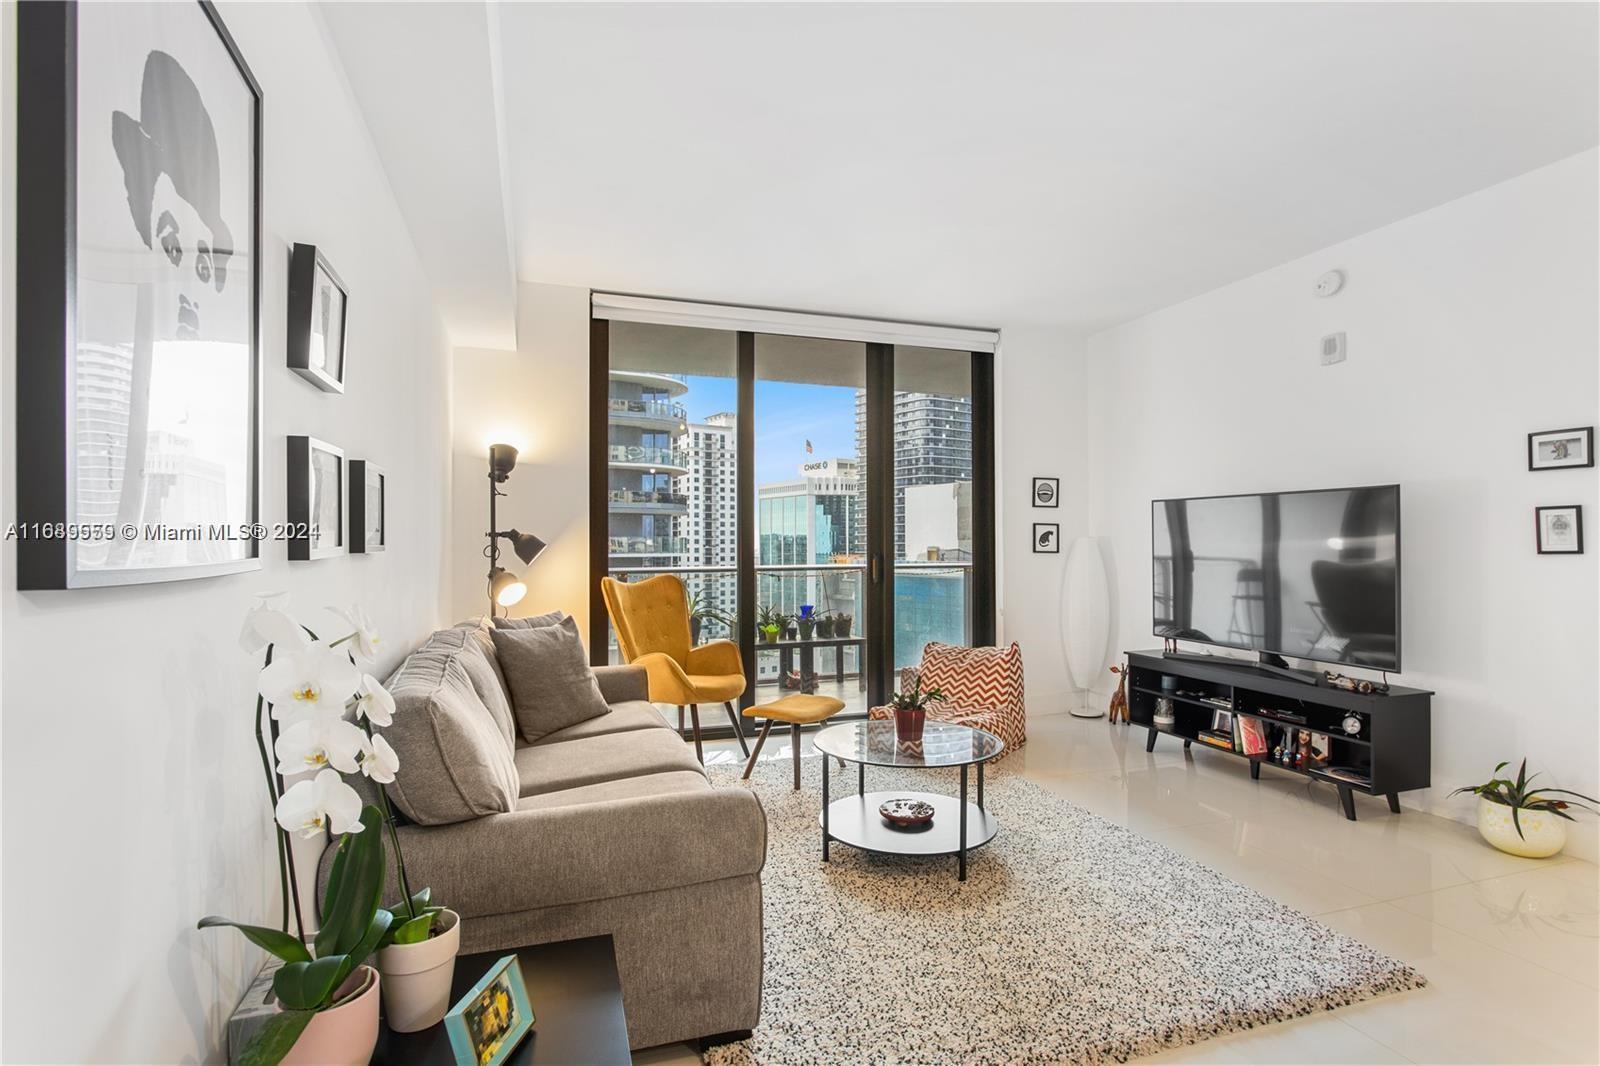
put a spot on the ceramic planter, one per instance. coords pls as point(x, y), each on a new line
point(416, 977)
point(908, 724)
point(344, 1035)
point(1543, 834)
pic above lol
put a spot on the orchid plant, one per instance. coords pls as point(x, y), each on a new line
point(322, 712)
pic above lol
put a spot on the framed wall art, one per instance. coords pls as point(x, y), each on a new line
point(1047, 492)
point(369, 487)
point(317, 308)
point(316, 499)
point(139, 297)
point(1560, 449)
point(1046, 538)
point(1559, 530)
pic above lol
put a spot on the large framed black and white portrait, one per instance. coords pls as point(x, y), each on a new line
point(316, 483)
point(138, 296)
point(317, 300)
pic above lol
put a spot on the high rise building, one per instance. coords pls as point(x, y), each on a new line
point(642, 462)
point(708, 453)
point(932, 446)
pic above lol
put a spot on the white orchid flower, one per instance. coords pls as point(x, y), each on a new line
point(269, 622)
point(373, 702)
point(320, 740)
point(364, 638)
point(379, 761)
point(309, 680)
point(322, 802)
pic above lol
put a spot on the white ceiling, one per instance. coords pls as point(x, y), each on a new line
point(984, 165)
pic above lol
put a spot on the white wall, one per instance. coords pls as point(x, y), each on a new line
point(535, 399)
point(1040, 432)
point(1469, 326)
point(132, 792)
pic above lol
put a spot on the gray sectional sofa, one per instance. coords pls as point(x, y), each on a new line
point(607, 826)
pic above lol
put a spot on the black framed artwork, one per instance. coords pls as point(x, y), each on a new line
point(1047, 492)
point(316, 481)
point(317, 314)
point(1558, 530)
point(1046, 538)
point(1561, 449)
point(369, 487)
point(138, 296)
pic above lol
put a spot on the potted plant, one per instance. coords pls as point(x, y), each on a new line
point(701, 612)
point(825, 622)
point(1524, 821)
point(807, 624)
point(770, 623)
point(841, 624)
point(911, 711)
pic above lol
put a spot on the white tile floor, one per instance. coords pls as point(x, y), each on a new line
point(1510, 946)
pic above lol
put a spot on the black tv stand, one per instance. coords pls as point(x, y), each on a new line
point(1389, 753)
point(1267, 663)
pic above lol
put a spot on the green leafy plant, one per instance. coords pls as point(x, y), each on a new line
point(700, 611)
point(1519, 797)
point(841, 624)
point(918, 698)
point(353, 927)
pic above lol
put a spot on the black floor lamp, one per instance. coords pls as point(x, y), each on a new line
point(505, 588)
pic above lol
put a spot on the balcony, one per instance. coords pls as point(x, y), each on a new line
point(648, 545)
point(648, 501)
point(650, 414)
point(638, 457)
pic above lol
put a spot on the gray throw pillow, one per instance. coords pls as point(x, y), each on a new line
point(454, 763)
point(533, 621)
point(548, 674)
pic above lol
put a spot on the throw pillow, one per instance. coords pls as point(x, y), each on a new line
point(533, 621)
point(548, 674)
point(454, 763)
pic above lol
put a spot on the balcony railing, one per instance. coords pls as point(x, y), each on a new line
point(651, 409)
point(639, 455)
point(640, 496)
point(648, 546)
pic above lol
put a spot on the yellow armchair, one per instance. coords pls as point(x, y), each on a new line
point(651, 619)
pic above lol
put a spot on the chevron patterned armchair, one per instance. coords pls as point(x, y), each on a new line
point(982, 688)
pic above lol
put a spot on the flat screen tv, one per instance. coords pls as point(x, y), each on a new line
point(1313, 574)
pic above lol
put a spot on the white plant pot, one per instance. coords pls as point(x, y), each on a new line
point(1543, 834)
point(416, 977)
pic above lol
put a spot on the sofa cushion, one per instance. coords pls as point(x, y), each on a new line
point(573, 763)
point(533, 621)
point(454, 762)
point(622, 788)
point(469, 646)
point(549, 678)
point(623, 717)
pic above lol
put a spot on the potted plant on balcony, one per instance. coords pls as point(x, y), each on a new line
point(911, 710)
point(807, 621)
point(841, 624)
point(1524, 821)
point(701, 612)
point(825, 624)
point(770, 623)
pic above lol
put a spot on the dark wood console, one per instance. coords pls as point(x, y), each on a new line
point(1389, 753)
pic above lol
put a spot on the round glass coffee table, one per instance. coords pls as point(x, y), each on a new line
point(956, 827)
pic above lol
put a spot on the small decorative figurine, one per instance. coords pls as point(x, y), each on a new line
point(1119, 698)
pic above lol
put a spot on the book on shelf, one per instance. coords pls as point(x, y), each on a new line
point(1347, 774)
point(1252, 736)
point(1212, 739)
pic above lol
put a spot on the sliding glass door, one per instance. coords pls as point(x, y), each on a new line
point(828, 503)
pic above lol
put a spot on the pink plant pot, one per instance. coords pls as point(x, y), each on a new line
point(344, 1035)
point(908, 725)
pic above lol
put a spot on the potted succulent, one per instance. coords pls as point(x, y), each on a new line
point(841, 624)
point(911, 711)
point(1524, 821)
point(807, 621)
point(825, 622)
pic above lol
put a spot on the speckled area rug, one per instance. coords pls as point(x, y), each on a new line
point(1073, 940)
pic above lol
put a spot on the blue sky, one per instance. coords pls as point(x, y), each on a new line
point(787, 415)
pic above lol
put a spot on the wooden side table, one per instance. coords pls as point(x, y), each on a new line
point(577, 1001)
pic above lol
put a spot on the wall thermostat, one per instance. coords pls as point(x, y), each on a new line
point(1329, 283)
point(1333, 349)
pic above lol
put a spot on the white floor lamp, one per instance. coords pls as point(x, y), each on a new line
point(1085, 619)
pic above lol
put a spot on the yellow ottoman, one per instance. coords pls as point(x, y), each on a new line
point(797, 710)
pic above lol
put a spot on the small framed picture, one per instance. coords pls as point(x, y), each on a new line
point(1557, 449)
point(1046, 538)
point(488, 1022)
point(316, 499)
point(317, 304)
point(368, 489)
point(1222, 720)
point(1047, 492)
point(1559, 529)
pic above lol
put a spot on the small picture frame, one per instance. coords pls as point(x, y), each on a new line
point(1222, 720)
point(318, 310)
point(488, 1023)
point(316, 499)
point(369, 489)
point(1046, 538)
point(1047, 492)
point(1561, 449)
point(1558, 529)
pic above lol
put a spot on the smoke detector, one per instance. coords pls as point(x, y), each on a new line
point(1329, 283)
